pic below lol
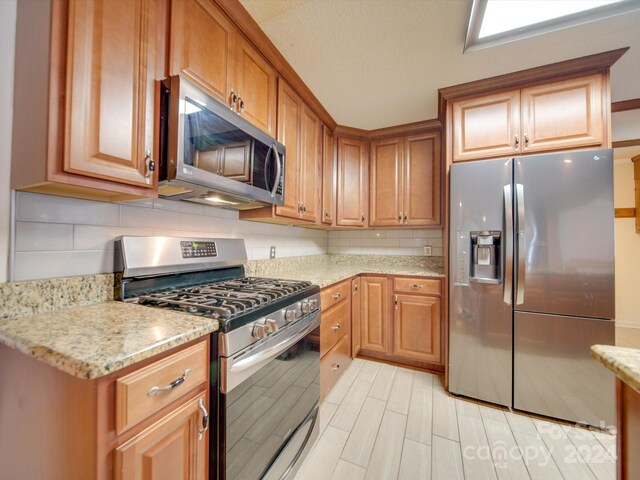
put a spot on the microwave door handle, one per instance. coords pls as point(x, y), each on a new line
point(267, 161)
point(278, 171)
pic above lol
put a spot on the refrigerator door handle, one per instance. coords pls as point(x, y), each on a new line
point(520, 244)
point(508, 256)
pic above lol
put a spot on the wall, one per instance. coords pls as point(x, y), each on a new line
point(7, 49)
point(386, 242)
point(627, 248)
point(58, 236)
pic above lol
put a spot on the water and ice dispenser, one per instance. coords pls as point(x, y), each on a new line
point(486, 258)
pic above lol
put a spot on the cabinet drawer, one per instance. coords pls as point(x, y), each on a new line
point(417, 285)
point(335, 323)
point(333, 364)
point(137, 396)
point(334, 294)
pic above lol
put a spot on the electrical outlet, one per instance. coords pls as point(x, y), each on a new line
point(272, 253)
point(427, 250)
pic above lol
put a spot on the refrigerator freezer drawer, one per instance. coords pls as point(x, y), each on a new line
point(554, 373)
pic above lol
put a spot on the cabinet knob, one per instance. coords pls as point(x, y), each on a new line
point(400, 217)
point(406, 217)
point(516, 144)
point(304, 208)
point(336, 296)
point(526, 141)
point(336, 327)
point(335, 366)
point(326, 214)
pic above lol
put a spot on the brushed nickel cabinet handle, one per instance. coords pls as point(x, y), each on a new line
point(175, 384)
point(326, 214)
point(240, 105)
point(362, 217)
point(526, 141)
point(336, 327)
point(516, 144)
point(400, 217)
point(151, 167)
point(395, 301)
point(233, 99)
point(416, 285)
point(336, 296)
point(406, 217)
point(205, 419)
point(335, 366)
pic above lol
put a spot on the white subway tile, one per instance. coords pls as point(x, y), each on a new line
point(350, 234)
point(436, 252)
point(37, 265)
point(428, 233)
point(411, 242)
point(212, 211)
point(400, 233)
point(143, 202)
point(35, 207)
point(91, 237)
point(178, 206)
point(161, 232)
point(43, 236)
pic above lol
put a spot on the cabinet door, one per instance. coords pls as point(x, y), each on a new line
point(386, 183)
point(416, 328)
point(289, 113)
point(310, 158)
point(112, 57)
point(355, 317)
point(487, 126)
point(255, 83)
point(422, 180)
point(352, 183)
point(375, 314)
point(202, 46)
point(328, 176)
point(170, 449)
point(562, 115)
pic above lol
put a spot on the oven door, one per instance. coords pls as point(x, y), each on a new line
point(270, 395)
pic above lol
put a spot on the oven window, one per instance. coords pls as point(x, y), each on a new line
point(265, 410)
point(215, 145)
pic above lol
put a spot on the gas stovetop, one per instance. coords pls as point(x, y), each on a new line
point(226, 299)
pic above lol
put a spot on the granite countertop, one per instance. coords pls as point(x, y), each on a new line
point(624, 362)
point(95, 340)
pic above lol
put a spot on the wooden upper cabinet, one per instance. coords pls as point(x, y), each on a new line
point(405, 182)
point(564, 114)
point(487, 126)
point(374, 319)
point(386, 182)
point(170, 449)
point(208, 49)
point(328, 176)
point(289, 114)
point(553, 116)
point(254, 81)
point(203, 46)
point(416, 328)
point(310, 164)
point(351, 191)
point(422, 180)
point(110, 90)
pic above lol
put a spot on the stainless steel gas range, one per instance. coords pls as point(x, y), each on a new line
point(265, 359)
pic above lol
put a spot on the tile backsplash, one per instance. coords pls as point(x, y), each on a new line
point(60, 236)
point(386, 242)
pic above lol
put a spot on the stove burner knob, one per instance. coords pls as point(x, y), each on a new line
point(272, 325)
point(313, 304)
point(259, 332)
point(306, 307)
point(290, 315)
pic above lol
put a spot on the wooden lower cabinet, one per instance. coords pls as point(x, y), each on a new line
point(333, 365)
point(401, 320)
point(416, 328)
point(356, 308)
point(628, 412)
point(170, 449)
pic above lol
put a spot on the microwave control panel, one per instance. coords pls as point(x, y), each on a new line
point(198, 249)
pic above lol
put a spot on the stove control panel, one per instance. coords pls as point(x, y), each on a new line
point(192, 249)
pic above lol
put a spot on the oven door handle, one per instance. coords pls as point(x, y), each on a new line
point(267, 352)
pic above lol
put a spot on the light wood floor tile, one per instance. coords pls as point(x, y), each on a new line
point(507, 458)
point(348, 471)
point(419, 421)
point(476, 454)
point(319, 465)
point(446, 460)
point(363, 436)
point(423, 380)
point(369, 371)
point(342, 386)
point(327, 409)
point(383, 382)
point(445, 421)
point(400, 395)
point(608, 441)
point(598, 459)
point(387, 452)
point(416, 461)
point(348, 411)
point(536, 456)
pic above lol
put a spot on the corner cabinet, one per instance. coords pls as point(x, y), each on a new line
point(208, 49)
point(405, 181)
point(562, 115)
point(105, 58)
point(352, 183)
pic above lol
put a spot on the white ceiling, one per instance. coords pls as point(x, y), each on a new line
point(377, 63)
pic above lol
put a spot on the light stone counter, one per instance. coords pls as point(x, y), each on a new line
point(624, 362)
point(95, 340)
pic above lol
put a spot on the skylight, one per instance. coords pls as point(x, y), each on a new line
point(493, 22)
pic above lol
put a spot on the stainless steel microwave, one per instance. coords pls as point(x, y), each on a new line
point(210, 154)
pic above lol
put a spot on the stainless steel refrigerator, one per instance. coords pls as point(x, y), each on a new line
point(532, 283)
